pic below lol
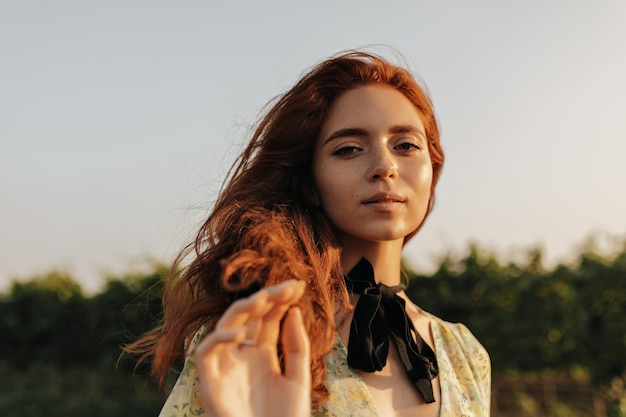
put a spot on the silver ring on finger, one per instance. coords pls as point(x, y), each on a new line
point(247, 342)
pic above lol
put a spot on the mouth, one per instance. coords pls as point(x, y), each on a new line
point(382, 198)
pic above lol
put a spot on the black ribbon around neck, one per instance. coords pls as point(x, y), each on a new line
point(379, 316)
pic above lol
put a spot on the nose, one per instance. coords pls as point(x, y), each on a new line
point(383, 166)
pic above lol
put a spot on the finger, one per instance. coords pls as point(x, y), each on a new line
point(285, 291)
point(214, 353)
point(297, 348)
point(214, 359)
point(271, 321)
point(256, 305)
point(239, 312)
point(253, 329)
point(217, 337)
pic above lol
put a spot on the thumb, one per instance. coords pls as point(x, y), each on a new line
point(297, 348)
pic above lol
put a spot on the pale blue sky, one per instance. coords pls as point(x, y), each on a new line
point(118, 119)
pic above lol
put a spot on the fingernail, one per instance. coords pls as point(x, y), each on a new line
point(296, 310)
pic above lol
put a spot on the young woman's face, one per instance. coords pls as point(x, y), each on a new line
point(371, 168)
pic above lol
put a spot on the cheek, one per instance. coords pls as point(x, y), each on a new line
point(426, 176)
point(422, 190)
point(325, 180)
point(333, 194)
point(421, 176)
point(327, 187)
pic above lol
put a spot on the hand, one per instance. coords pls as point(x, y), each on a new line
point(242, 380)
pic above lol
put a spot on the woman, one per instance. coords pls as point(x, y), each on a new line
point(293, 295)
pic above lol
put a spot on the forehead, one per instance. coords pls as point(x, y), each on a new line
point(374, 106)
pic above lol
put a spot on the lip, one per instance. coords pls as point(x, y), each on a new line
point(384, 198)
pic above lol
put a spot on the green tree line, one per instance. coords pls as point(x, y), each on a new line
point(60, 349)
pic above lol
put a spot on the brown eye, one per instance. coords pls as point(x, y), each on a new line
point(407, 146)
point(346, 150)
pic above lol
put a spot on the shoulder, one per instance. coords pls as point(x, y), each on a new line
point(184, 399)
point(460, 344)
point(455, 334)
point(463, 362)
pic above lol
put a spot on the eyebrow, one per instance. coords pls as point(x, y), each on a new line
point(342, 133)
point(356, 131)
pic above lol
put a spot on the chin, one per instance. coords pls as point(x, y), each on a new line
point(386, 236)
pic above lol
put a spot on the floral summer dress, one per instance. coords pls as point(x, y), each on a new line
point(464, 378)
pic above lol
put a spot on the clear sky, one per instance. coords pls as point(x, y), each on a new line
point(118, 119)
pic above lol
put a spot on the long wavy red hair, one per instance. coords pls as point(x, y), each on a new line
point(263, 229)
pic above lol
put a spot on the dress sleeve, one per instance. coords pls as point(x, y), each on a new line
point(479, 362)
point(184, 399)
point(464, 370)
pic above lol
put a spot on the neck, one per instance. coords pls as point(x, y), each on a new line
point(385, 258)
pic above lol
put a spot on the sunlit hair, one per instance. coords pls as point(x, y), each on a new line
point(263, 229)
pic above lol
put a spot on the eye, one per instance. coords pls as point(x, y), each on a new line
point(408, 146)
point(346, 150)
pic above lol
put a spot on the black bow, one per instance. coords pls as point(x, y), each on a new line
point(380, 315)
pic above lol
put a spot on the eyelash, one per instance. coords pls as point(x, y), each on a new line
point(411, 144)
point(351, 149)
point(342, 150)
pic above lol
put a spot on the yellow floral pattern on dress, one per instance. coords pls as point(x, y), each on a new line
point(464, 370)
point(184, 400)
point(464, 377)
